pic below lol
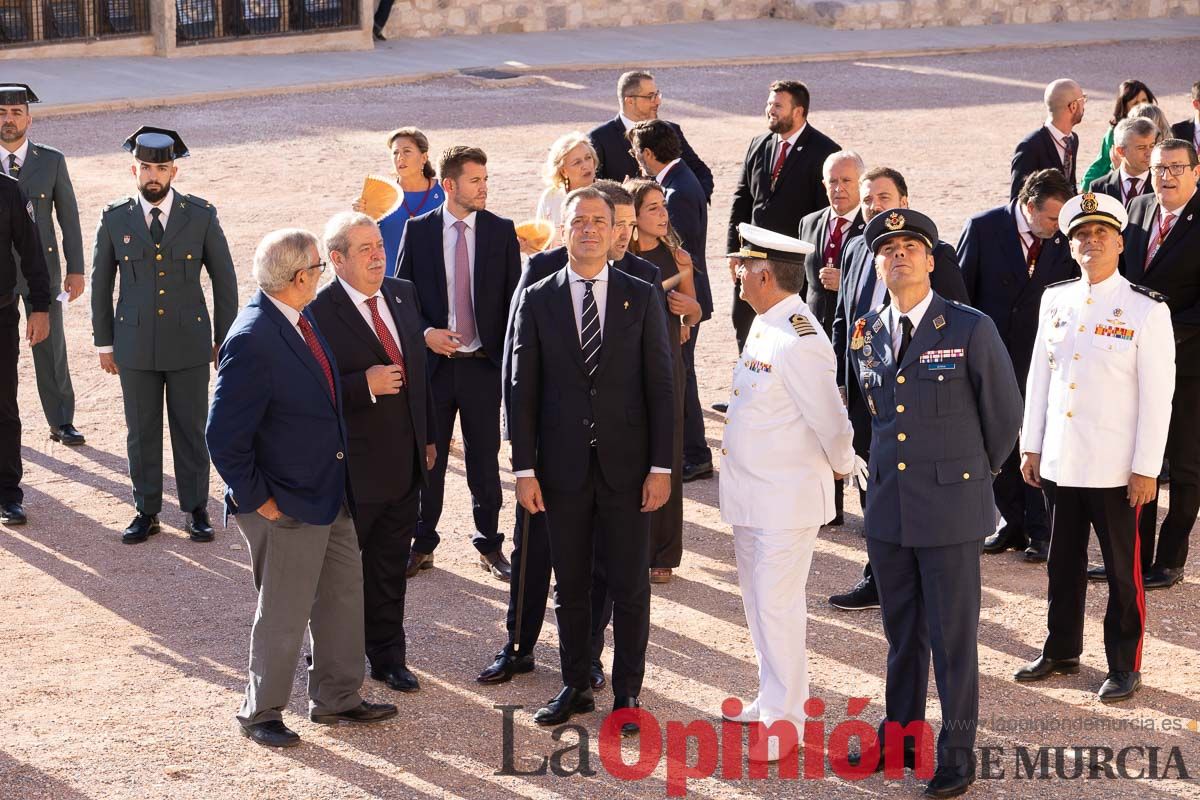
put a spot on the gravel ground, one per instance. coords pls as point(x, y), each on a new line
point(124, 666)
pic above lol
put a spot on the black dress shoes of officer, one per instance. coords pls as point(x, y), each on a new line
point(1037, 552)
point(1043, 668)
point(142, 528)
point(864, 595)
point(1099, 573)
point(694, 472)
point(628, 728)
point(565, 705)
point(947, 782)
point(1162, 578)
point(721, 407)
point(377, 34)
point(505, 666)
point(495, 563)
point(364, 712)
point(198, 527)
point(272, 733)
point(1004, 539)
point(398, 678)
point(67, 435)
point(1119, 686)
point(597, 676)
point(12, 514)
point(417, 562)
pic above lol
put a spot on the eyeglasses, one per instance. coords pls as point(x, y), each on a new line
point(319, 265)
point(1081, 99)
point(651, 96)
point(1174, 169)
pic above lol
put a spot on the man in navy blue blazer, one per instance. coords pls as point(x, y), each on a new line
point(276, 436)
point(659, 151)
point(1054, 145)
point(1009, 255)
point(465, 263)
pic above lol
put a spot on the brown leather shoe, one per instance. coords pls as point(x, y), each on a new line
point(660, 575)
point(495, 563)
point(417, 562)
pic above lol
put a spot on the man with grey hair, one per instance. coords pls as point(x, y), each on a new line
point(288, 488)
point(373, 326)
point(1054, 145)
point(1134, 140)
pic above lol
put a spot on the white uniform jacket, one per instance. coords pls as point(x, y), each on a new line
point(1098, 398)
point(786, 431)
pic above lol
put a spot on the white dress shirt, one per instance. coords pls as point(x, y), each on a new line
point(21, 153)
point(360, 302)
point(1025, 231)
point(449, 243)
point(914, 314)
point(550, 208)
point(293, 316)
point(626, 121)
point(791, 140)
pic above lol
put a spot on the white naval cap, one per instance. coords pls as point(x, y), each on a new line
point(761, 243)
point(1092, 207)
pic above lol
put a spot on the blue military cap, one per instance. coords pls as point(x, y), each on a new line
point(899, 222)
point(155, 145)
point(16, 94)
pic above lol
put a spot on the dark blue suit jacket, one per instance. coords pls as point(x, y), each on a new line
point(497, 268)
point(1110, 184)
point(1185, 130)
point(814, 229)
point(998, 282)
point(1038, 151)
point(617, 163)
point(273, 430)
point(687, 208)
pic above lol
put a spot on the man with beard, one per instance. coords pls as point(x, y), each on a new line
point(1054, 145)
point(160, 338)
point(42, 174)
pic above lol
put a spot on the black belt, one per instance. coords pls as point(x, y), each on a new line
point(471, 354)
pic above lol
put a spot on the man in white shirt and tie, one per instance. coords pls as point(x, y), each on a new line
point(1054, 145)
point(1134, 140)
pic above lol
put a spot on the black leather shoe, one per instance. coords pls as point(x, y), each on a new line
point(629, 728)
point(495, 563)
point(1099, 573)
point(505, 666)
point(721, 407)
point(947, 782)
point(67, 435)
point(142, 528)
point(1119, 686)
point(1162, 578)
point(565, 705)
point(377, 34)
point(363, 712)
point(271, 734)
point(1043, 668)
point(398, 678)
point(836, 522)
point(198, 527)
point(12, 514)
point(1037, 552)
point(694, 472)
point(597, 676)
point(864, 595)
point(1003, 539)
point(417, 562)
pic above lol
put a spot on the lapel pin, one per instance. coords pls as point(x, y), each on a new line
point(1189, 219)
point(627, 305)
point(397, 299)
point(127, 238)
point(939, 322)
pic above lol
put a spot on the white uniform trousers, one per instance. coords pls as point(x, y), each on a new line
point(772, 565)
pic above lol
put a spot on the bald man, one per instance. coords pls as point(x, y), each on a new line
point(1054, 145)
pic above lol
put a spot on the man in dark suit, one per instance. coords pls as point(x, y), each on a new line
point(531, 556)
point(1162, 252)
point(277, 438)
point(658, 151)
point(465, 263)
point(1189, 129)
point(639, 100)
point(945, 411)
point(780, 181)
point(1134, 139)
point(1009, 255)
point(591, 441)
point(373, 327)
point(860, 291)
point(1054, 145)
point(42, 173)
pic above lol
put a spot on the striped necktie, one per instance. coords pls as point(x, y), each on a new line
point(589, 336)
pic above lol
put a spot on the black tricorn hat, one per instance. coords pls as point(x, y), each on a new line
point(16, 94)
point(155, 145)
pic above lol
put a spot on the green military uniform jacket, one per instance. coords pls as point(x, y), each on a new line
point(45, 181)
point(161, 321)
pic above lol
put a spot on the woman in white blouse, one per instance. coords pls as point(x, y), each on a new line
point(570, 164)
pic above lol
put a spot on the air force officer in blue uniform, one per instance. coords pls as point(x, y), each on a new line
point(945, 411)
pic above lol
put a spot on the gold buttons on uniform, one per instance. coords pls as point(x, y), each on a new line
point(900, 408)
point(161, 312)
point(1072, 386)
point(189, 256)
point(162, 291)
point(158, 257)
point(1070, 413)
point(902, 466)
point(966, 476)
point(736, 392)
point(1089, 301)
point(900, 379)
point(1082, 328)
point(49, 249)
point(43, 197)
point(126, 258)
point(1075, 357)
point(901, 436)
point(724, 452)
point(162, 274)
point(199, 319)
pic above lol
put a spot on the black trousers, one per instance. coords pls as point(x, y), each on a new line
point(597, 522)
point(695, 444)
point(743, 316)
point(930, 599)
point(1073, 511)
point(385, 533)
point(382, 13)
point(469, 389)
point(1022, 506)
point(10, 413)
point(1183, 454)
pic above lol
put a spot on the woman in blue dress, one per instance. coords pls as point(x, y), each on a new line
point(420, 190)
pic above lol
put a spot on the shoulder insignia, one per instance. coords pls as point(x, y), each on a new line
point(197, 201)
point(801, 325)
point(964, 307)
point(1063, 283)
point(1153, 295)
point(118, 203)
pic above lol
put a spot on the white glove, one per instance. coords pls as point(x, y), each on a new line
point(858, 473)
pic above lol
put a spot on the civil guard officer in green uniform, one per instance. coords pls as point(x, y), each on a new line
point(42, 174)
point(160, 337)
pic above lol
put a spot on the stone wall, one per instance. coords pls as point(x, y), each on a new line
point(863, 14)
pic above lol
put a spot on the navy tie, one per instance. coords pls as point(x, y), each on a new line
point(589, 337)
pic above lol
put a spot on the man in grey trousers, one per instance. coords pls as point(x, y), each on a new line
point(277, 438)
